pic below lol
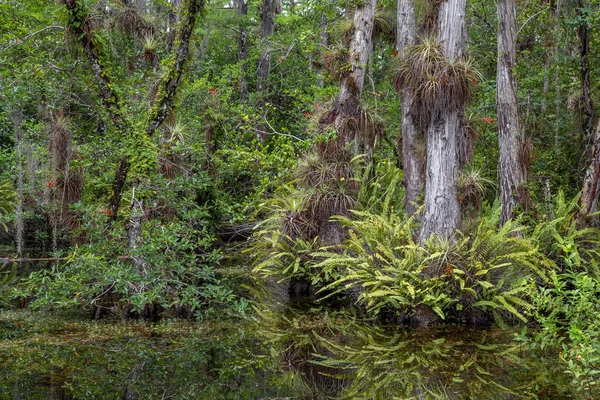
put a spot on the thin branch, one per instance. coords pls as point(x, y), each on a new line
point(163, 102)
point(26, 38)
point(530, 18)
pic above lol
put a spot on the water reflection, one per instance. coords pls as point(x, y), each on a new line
point(299, 352)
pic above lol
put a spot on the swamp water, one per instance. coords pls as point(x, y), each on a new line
point(283, 352)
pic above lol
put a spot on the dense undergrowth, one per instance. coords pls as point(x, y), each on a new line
point(543, 275)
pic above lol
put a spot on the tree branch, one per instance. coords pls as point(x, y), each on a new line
point(163, 102)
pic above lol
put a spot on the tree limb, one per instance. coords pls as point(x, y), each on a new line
point(163, 102)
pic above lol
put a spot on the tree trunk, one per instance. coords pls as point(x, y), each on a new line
point(173, 21)
point(243, 47)
point(441, 216)
point(591, 184)
point(587, 114)
point(347, 104)
point(512, 171)
point(344, 116)
point(588, 202)
point(324, 43)
point(19, 225)
point(407, 142)
point(267, 27)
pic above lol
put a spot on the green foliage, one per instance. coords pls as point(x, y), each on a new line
point(567, 311)
point(487, 270)
point(170, 265)
point(7, 195)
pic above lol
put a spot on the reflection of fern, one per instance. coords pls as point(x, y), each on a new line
point(8, 278)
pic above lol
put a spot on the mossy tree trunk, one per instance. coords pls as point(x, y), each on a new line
point(441, 216)
point(511, 168)
point(407, 145)
point(163, 103)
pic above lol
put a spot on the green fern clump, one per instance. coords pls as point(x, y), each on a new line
point(488, 271)
point(561, 238)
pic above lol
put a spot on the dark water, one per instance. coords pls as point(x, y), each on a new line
point(307, 352)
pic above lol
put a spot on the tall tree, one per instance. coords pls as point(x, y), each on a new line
point(407, 142)
point(591, 183)
point(511, 168)
point(162, 105)
point(242, 9)
point(441, 216)
point(345, 116)
point(347, 104)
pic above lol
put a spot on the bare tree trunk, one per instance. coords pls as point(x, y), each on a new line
point(347, 103)
point(19, 225)
point(512, 171)
point(591, 184)
point(552, 43)
point(324, 44)
point(267, 27)
point(407, 142)
point(243, 47)
point(587, 115)
point(441, 216)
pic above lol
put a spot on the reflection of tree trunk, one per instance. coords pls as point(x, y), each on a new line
point(511, 168)
point(243, 47)
point(407, 142)
point(441, 215)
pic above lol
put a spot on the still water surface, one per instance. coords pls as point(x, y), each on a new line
point(282, 352)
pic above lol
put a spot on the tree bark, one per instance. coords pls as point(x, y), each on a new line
point(441, 216)
point(588, 201)
point(267, 27)
point(174, 18)
point(162, 104)
point(324, 43)
point(512, 171)
point(347, 104)
point(406, 145)
point(19, 223)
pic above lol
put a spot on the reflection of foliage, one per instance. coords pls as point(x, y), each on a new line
point(432, 364)
point(72, 358)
